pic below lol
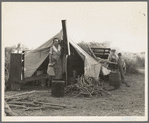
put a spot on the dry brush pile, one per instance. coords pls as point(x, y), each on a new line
point(86, 87)
point(24, 102)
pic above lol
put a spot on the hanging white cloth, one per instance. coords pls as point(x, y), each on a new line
point(55, 49)
point(105, 71)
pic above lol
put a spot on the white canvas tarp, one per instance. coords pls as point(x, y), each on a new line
point(34, 58)
point(91, 66)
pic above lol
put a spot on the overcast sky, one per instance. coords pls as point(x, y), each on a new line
point(124, 24)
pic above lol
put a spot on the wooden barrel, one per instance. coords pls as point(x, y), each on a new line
point(115, 79)
point(57, 88)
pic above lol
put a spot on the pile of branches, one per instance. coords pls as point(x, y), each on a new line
point(26, 104)
point(86, 87)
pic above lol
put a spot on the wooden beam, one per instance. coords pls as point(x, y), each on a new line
point(101, 48)
point(23, 54)
point(92, 52)
point(29, 79)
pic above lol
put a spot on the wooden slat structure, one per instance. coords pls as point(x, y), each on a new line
point(15, 71)
point(101, 52)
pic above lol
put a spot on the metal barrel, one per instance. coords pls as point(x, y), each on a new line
point(115, 79)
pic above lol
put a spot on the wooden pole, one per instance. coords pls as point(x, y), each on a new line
point(92, 52)
point(23, 54)
point(65, 40)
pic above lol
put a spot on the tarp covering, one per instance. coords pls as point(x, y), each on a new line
point(91, 66)
point(35, 58)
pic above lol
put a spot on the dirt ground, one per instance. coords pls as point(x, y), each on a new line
point(126, 101)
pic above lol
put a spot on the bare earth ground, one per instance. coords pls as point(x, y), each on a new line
point(126, 101)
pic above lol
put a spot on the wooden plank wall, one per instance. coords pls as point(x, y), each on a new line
point(101, 52)
point(15, 69)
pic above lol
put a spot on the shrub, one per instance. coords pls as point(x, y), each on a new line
point(133, 62)
point(131, 67)
point(85, 47)
point(140, 61)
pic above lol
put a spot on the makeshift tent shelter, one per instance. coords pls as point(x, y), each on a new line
point(36, 57)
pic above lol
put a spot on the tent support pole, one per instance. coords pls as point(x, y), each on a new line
point(65, 40)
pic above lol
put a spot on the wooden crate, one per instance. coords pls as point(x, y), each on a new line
point(101, 52)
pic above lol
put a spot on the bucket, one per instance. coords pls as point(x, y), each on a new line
point(57, 88)
point(115, 79)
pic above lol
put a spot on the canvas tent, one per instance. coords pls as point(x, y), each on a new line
point(34, 58)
